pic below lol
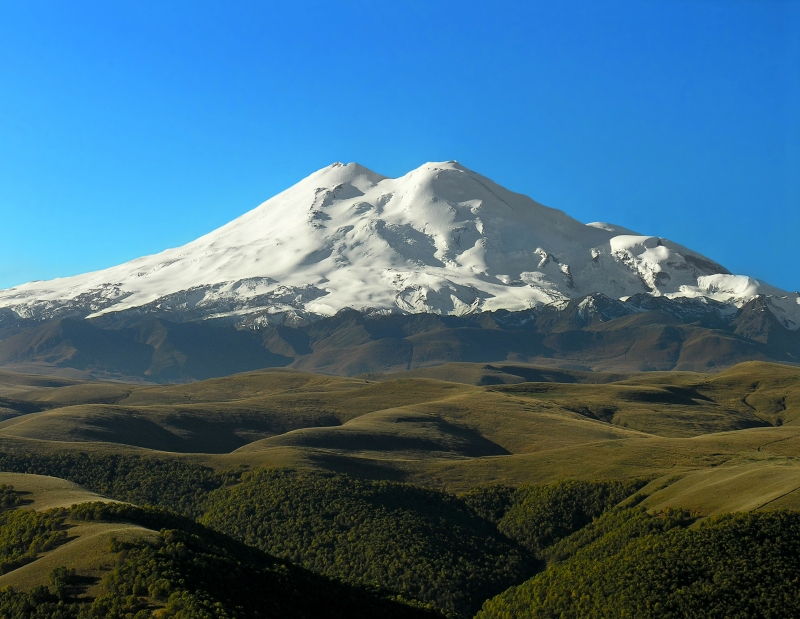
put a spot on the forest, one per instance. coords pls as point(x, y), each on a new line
point(301, 543)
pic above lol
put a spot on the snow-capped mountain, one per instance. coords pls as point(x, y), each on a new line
point(440, 239)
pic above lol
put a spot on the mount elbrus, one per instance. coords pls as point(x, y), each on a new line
point(441, 239)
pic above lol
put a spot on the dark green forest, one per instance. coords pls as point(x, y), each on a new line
point(538, 516)
point(24, 534)
point(191, 571)
point(175, 485)
point(421, 544)
point(634, 564)
point(288, 543)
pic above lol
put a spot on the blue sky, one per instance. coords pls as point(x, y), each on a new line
point(129, 127)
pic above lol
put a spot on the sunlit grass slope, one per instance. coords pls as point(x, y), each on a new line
point(86, 547)
point(437, 428)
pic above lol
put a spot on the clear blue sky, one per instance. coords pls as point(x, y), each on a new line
point(129, 127)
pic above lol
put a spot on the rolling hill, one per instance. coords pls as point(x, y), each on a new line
point(452, 488)
point(424, 429)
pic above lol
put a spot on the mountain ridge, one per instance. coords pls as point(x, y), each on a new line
point(594, 333)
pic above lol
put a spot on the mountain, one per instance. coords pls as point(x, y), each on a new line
point(441, 239)
point(473, 322)
point(593, 333)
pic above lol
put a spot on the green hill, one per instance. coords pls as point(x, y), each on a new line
point(635, 564)
point(418, 543)
point(103, 559)
point(427, 431)
point(441, 487)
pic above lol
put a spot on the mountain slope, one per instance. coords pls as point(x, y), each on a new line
point(593, 333)
point(440, 239)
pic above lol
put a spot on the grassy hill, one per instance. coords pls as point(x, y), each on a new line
point(427, 430)
point(285, 408)
point(441, 487)
point(379, 541)
point(84, 546)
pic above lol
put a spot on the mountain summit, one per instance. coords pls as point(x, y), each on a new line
point(440, 239)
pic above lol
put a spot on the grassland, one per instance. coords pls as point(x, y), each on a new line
point(86, 547)
point(729, 432)
point(484, 450)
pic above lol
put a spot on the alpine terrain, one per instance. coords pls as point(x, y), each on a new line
point(423, 397)
point(441, 239)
